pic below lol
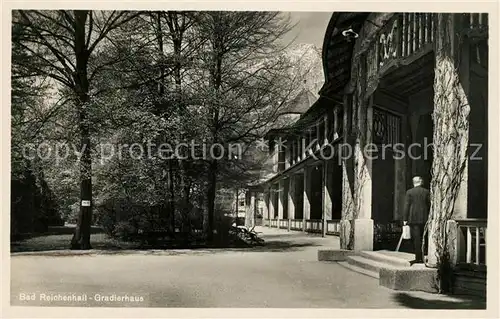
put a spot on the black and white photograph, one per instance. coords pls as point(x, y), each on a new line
point(226, 158)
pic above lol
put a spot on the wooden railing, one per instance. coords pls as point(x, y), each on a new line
point(417, 30)
point(273, 223)
point(333, 227)
point(283, 223)
point(475, 20)
point(296, 224)
point(471, 244)
point(314, 225)
point(405, 35)
point(311, 225)
point(474, 26)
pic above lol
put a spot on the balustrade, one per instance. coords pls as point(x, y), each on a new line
point(471, 243)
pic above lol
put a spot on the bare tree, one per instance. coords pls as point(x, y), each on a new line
point(246, 81)
point(63, 45)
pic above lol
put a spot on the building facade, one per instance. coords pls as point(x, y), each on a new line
point(405, 94)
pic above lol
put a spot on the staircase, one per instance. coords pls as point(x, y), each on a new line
point(371, 262)
point(392, 269)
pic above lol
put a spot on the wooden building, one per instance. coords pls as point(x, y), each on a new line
point(405, 94)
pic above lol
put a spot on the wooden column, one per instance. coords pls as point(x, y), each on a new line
point(326, 119)
point(348, 203)
point(336, 120)
point(250, 209)
point(363, 224)
point(451, 118)
point(291, 200)
point(318, 142)
point(272, 194)
point(307, 197)
point(265, 210)
point(281, 195)
point(327, 194)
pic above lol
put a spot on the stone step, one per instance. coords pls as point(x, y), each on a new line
point(393, 271)
point(368, 264)
point(334, 255)
point(389, 258)
point(360, 270)
point(414, 278)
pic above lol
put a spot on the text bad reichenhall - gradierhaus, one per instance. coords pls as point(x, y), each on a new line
point(74, 297)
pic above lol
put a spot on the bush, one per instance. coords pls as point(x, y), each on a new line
point(123, 219)
point(125, 230)
point(33, 204)
point(106, 218)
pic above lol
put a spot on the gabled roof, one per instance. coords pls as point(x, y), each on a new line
point(301, 103)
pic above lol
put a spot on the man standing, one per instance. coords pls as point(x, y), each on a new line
point(417, 205)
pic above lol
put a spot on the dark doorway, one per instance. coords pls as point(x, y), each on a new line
point(275, 200)
point(336, 189)
point(402, 116)
point(316, 192)
point(284, 197)
point(477, 188)
point(299, 196)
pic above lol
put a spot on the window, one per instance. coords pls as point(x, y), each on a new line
point(386, 127)
point(242, 203)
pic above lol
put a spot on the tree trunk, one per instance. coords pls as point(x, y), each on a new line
point(171, 187)
point(215, 82)
point(161, 108)
point(184, 185)
point(81, 237)
point(212, 188)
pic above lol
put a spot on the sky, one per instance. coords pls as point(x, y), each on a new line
point(310, 29)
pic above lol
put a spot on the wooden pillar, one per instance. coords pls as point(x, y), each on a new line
point(363, 225)
point(327, 118)
point(272, 194)
point(400, 168)
point(348, 191)
point(451, 118)
point(291, 200)
point(461, 204)
point(327, 194)
point(307, 197)
point(250, 209)
point(265, 210)
point(281, 195)
point(318, 142)
point(336, 119)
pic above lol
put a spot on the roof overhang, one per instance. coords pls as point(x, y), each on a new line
point(338, 50)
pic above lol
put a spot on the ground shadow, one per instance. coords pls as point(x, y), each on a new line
point(50, 242)
point(59, 239)
point(293, 234)
point(278, 246)
point(459, 302)
point(54, 230)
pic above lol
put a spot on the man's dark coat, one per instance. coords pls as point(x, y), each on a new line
point(417, 205)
